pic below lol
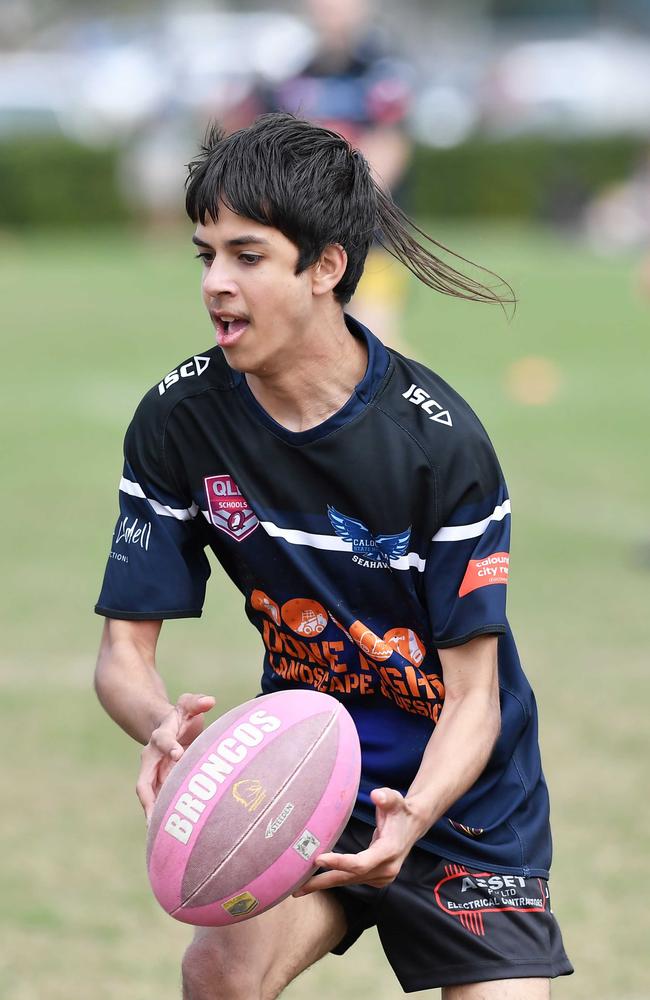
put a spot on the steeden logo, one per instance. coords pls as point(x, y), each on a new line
point(274, 824)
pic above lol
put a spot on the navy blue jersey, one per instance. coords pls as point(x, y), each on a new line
point(364, 89)
point(361, 546)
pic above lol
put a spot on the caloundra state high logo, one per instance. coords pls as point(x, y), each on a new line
point(371, 551)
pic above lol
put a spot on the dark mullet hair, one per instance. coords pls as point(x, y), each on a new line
point(311, 185)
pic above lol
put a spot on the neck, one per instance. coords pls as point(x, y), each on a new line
point(327, 365)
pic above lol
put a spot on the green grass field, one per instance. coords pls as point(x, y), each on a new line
point(89, 323)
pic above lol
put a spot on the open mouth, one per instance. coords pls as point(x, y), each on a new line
point(229, 329)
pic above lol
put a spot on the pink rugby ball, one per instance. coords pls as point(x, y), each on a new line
point(263, 791)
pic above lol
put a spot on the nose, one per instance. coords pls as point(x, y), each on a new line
point(218, 279)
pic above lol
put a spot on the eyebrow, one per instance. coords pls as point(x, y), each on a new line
point(238, 241)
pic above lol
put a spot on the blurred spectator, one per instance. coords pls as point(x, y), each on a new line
point(618, 220)
point(354, 85)
point(619, 217)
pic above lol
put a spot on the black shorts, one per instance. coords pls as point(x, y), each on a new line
point(443, 924)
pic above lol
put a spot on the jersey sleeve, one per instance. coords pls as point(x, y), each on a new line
point(468, 561)
point(157, 567)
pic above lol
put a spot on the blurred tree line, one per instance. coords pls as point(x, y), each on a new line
point(55, 182)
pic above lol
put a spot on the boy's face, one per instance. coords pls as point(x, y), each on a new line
point(262, 311)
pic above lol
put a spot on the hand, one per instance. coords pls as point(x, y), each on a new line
point(168, 743)
point(379, 865)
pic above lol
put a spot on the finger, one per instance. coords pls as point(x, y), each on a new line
point(145, 788)
point(378, 854)
point(388, 802)
point(154, 767)
point(164, 744)
point(339, 862)
point(194, 704)
point(147, 798)
point(326, 880)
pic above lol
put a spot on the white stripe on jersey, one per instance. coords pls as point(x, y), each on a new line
point(335, 544)
point(456, 532)
point(181, 514)
point(331, 542)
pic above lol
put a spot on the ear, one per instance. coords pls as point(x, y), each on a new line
point(329, 269)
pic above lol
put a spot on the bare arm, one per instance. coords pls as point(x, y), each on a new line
point(132, 691)
point(455, 756)
point(468, 728)
point(127, 683)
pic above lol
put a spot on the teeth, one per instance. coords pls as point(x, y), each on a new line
point(227, 319)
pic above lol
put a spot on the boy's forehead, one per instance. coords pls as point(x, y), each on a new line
point(230, 226)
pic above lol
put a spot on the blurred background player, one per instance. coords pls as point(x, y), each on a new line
point(352, 83)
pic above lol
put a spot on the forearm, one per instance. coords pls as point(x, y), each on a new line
point(127, 683)
point(455, 756)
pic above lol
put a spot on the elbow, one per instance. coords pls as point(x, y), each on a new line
point(99, 678)
point(102, 666)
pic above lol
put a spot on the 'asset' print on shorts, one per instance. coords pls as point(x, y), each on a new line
point(470, 895)
point(444, 924)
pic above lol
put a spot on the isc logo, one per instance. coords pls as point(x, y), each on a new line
point(196, 366)
point(420, 397)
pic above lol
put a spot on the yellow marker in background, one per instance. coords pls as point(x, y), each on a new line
point(533, 381)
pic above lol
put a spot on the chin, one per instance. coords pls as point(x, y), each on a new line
point(237, 359)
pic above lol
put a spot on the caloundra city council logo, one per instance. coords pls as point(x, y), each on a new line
point(371, 551)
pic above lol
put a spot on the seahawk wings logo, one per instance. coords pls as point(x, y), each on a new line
point(373, 551)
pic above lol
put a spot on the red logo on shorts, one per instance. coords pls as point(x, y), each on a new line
point(483, 572)
point(468, 895)
point(229, 510)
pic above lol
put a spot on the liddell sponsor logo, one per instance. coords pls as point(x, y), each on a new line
point(203, 783)
point(196, 366)
point(275, 824)
point(133, 532)
point(483, 572)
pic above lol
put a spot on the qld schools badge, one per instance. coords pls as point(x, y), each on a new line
point(229, 510)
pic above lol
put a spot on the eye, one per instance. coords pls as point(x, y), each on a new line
point(205, 257)
point(250, 258)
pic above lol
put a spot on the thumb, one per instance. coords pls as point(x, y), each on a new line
point(387, 800)
point(195, 704)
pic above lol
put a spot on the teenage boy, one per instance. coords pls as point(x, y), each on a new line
point(356, 501)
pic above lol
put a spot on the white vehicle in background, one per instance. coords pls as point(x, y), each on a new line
point(102, 80)
point(587, 85)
